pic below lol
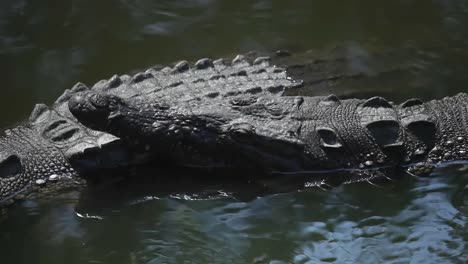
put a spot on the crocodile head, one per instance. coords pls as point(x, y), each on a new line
point(198, 133)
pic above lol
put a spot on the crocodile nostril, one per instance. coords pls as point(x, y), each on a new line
point(90, 108)
point(76, 102)
point(97, 100)
point(10, 165)
point(89, 102)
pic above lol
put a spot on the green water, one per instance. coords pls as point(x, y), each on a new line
point(47, 46)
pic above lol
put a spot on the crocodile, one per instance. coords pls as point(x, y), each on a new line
point(200, 107)
point(52, 146)
point(264, 131)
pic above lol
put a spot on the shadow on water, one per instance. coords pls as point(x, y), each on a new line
point(396, 49)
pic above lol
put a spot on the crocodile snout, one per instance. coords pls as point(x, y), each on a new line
point(90, 108)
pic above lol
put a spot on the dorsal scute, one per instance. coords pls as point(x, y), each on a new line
point(376, 102)
point(204, 63)
point(385, 132)
point(381, 120)
point(39, 113)
point(411, 102)
point(330, 100)
point(77, 88)
point(205, 79)
point(420, 127)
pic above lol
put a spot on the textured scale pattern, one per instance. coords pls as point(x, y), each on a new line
point(235, 113)
point(218, 78)
point(451, 136)
point(292, 134)
point(41, 162)
point(64, 139)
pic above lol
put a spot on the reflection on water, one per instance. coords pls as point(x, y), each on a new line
point(408, 48)
point(412, 220)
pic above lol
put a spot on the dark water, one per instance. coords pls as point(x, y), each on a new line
point(47, 46)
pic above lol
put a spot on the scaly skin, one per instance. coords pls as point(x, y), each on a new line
point(284, 134)
point(52, 144)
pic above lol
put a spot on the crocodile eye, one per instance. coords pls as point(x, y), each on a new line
point(9, 166)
